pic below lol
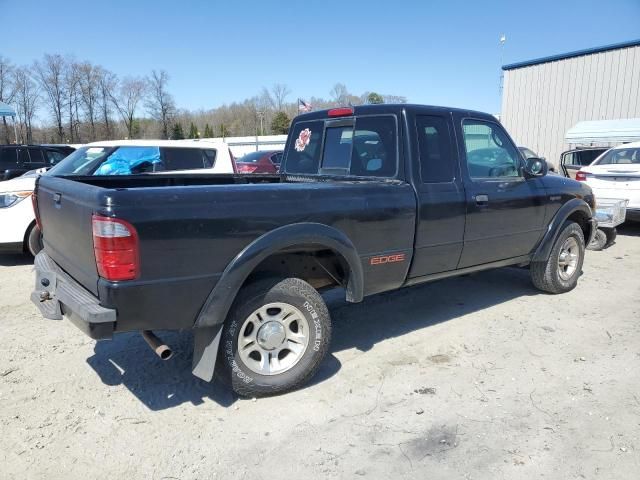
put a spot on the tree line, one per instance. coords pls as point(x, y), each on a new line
point(61, 100)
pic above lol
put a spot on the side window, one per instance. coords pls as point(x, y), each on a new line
point(375, 151)
point(36, 155)
point(209, 158)
point(181, 159)
point(53, 156)
point(23, 156)
point(435, 149)
point(490, 153)
point(336, 156)
point(8, 156)
point(569, 158)
point(276, 158)
point(303, 157)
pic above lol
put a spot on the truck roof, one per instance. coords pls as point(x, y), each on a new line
point(397, 108)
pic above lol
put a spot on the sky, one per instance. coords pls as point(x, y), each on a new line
point(444, 52)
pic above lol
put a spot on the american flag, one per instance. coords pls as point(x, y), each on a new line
point(304, 106)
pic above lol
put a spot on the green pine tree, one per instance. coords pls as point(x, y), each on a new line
point(224, 131)
point(193, 131)
point(208, 131)
point(176, 132)
point(280, 124)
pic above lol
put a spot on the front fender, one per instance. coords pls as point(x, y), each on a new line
point(553, 230)
point(219, 301)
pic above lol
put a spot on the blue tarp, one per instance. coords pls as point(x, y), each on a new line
point(6, 110)
point(123, 160)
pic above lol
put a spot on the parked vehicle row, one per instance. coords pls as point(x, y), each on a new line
point(16, 160)
point(370, 198)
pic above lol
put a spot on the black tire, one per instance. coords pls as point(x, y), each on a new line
point(34, 241)
point(611, 233)
point(599, 241)
point(546, 275)
point(292, 292)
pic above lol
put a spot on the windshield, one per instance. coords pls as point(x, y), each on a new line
point(252, 157)
point(620, 156)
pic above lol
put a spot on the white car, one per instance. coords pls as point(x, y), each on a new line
point(616, 174)
point(18, 230)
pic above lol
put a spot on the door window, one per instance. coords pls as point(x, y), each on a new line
point(36, 155)
point(53, 156)
point(435, 149)
point(489, 151)
point(23, 156)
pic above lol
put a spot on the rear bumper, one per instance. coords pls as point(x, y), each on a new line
point(57, 295)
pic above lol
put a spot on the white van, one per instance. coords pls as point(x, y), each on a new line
point(18, 230)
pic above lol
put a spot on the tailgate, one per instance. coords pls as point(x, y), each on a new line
point(65, 208)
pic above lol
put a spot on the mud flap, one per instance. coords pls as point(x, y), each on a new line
point(205, 351)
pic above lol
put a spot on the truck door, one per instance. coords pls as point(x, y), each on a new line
point(505, 210)
point(440, 194)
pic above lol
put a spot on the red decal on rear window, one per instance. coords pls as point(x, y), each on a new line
point(303, 140)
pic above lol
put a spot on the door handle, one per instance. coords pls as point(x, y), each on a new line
point(482, 200)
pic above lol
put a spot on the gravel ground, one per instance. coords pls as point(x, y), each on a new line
point(479, 377)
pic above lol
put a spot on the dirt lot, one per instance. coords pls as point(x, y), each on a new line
point(479, 377)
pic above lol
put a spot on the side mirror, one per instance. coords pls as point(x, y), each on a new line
point(536, 167)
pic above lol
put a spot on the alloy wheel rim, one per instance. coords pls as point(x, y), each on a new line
point(273, 338)
point(568, 258)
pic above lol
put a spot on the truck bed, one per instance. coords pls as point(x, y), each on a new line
point(190, 228)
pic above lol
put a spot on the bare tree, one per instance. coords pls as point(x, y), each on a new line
point(26, 98)
point(72, 99)
point(107, 86)
point(50, 75)
point(339, 94)
point(130, 93)
point(7, 90)
point(160, 103)
point(280, 93)
point(89, 83)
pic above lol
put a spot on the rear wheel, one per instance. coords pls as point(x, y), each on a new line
point(275, 337)
point(34, 240)
point(561, 271)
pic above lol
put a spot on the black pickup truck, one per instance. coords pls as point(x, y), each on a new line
point(370, 199)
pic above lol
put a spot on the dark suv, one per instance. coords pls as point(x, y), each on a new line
point(16, 160)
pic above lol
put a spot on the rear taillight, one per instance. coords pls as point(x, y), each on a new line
point(581, 176)
point(34, 202)
point(115, 244)
point(244, 168)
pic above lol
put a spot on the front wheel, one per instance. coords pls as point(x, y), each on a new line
point(560, 272)
point(275, 337)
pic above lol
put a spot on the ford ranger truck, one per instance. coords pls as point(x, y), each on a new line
point(369, 199)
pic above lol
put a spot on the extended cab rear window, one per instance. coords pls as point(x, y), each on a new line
point(366, 147)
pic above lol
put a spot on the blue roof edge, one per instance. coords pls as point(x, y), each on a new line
point(577, 53)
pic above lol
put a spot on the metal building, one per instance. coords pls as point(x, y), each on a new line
point(543, 98)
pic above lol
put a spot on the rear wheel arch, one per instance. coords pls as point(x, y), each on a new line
point(311, 244)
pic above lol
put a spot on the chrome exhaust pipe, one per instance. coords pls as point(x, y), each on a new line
point(162, 350)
